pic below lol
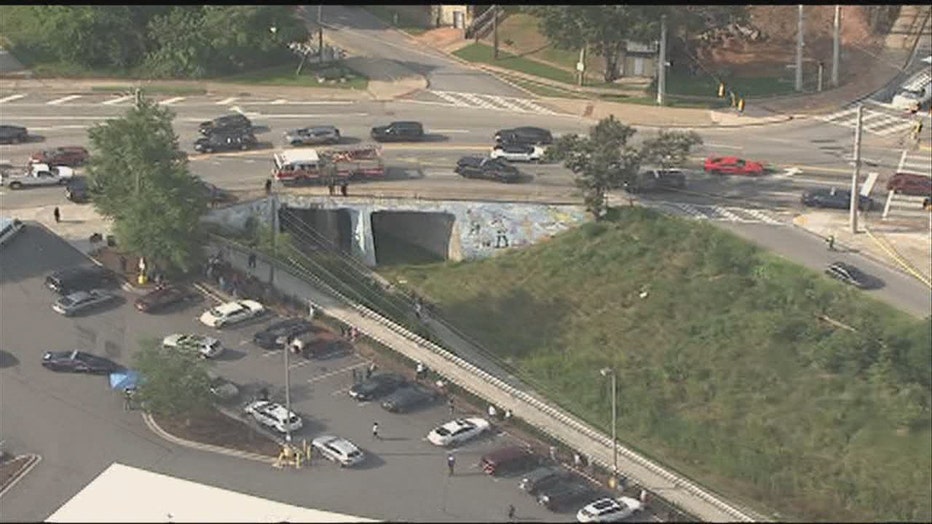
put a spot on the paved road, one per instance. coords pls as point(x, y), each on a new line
point(362, 34)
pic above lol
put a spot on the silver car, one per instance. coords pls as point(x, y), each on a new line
point(312, 136)
point(338, 450)
point(80, 300)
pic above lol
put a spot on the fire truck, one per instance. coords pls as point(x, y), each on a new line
point(301, 166)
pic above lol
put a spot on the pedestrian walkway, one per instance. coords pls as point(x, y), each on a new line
point(874, 121)
point(476, 101)
point(742, 215)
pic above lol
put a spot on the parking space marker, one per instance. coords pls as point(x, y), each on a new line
point(62, 100)
point(171, 101)
point(226, 101)
point(11, 98)
point(117, 100)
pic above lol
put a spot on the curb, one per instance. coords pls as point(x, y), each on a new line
point(33, 461)
point(150, 422)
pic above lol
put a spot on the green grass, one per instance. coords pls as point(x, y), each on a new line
point(284, 75)
point(485, 54)
point(726, 371)
point(707, 86)
point(386, 14)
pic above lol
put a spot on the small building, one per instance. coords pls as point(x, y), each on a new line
point(640, 60)
point(441, 15)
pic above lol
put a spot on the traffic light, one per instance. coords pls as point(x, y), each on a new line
point(721, 89)
point(741, 105)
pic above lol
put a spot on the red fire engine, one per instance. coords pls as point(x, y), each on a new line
point(309, 165)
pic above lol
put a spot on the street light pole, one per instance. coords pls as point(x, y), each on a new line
point(836, 46)
point(611, 372)
point(857, 171)
point(287, 350)
point(799, 50)
point(320, 34)
point(662, 72)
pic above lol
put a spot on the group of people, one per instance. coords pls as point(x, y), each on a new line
point(332, 187)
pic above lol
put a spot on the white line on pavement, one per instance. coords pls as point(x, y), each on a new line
point(722, 146)
point(11, 98)
point(118, 100)
point(62, 100)
point(226, 101)
point(171, 101)
point(280, 101)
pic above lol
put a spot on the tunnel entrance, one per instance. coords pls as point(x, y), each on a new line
point(411, 237)
point(314, 229)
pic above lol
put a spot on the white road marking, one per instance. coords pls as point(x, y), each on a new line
point(11, 98)
point(226, 101)
point(279, 102)
point(730, 216)
point(171, 101)
point(722, 146)
point(504, 102)
point(118, 100)
point(62, 100)
point(449, 98)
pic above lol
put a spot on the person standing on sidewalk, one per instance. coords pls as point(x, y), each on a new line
point(56, 213)
point(450, 404)
point(831, 242)
point(375, 431)
point(511, 513)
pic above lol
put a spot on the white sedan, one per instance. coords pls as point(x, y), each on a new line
point(207, 347)
point(338, 450)
point(458, 431)
point(231, 313)
point(518, 152)
point(609, 510)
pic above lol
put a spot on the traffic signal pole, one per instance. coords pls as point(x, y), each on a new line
point(857, 171)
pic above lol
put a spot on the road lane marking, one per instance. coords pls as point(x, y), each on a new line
point(280, 101)
point(226, 101)
point(118, 100)
point(723, 146)
point(62, 100)
point(53, 128)
point(11, 98)
point(171, 101)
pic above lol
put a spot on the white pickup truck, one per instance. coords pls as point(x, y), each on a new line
point(36, 175)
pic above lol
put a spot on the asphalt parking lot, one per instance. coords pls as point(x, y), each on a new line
point(79, 427)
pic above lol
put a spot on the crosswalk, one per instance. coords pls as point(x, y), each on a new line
point(875, 122)
point(124, 99)
point(742, 215)
point(497, 103)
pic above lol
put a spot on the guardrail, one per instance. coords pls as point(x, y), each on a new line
point(599, 446)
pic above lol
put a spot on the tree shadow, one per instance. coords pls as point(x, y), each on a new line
point(8, 360)
point(36, 251)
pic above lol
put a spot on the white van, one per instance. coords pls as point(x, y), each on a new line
point(8, 228)
point(914, 93)
point(296, 165)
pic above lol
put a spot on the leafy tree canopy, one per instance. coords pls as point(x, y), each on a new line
point(669, 148)
point(176, 381)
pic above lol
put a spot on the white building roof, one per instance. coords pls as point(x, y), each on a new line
point(127, 494)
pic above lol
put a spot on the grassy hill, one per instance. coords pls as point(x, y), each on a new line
point(755, 376)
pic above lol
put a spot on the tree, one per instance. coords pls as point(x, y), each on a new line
point(181, 46)
point(601, 161)
point(669, 148)
point(175, 380)
point(141, 181)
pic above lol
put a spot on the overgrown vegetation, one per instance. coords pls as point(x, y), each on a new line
point(175, 381)
point(754, 376)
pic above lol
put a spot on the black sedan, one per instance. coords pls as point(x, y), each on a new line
point(848, 274)
point(276, 335)
point(13, 134)
point(77, 361)
point(835, 199)
point(164, 296)
point(562, 495)
point(487, 168)
point(534, 136)
point(377, 386)
point(408, 398)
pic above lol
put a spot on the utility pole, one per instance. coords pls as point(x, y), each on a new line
point(287, 350)
point(836, 46)
point(662, 72)
point(273, 207)
point(581, 65)
point(857, 171)
point(320, 34)
point(611, 372)
point(799, 51)
point(820, 76)
point(495, 32)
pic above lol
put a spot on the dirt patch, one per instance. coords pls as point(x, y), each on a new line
point(218, 429)
point(9, 469)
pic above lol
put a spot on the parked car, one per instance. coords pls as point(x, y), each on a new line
point(274, 416)
point(524, 135)
point(313, 136)
point(410, 397)
point(207, 347)
point(9, 227)
point(458, 431)
point(565, 494)
point(508, 460)
point(486, 168)
point(542, 477)
point(313, 347)
point(79, 301)
point(731, 165)
point(13, 134)
point(71, 156)
point(226, 139)
point(339, 450)
point(656, 180)
point(517, 152)
point(276, 335)
point(164, 296)
point(82, 278)
point(221, 388)
point(77, 191)
point(848, 274)
point(835, 199)
point(377, 386)
point(231, 313)
point(77, 361)
point(231, 122)
point(910, 184)
point(398, 132)
point(609, 510)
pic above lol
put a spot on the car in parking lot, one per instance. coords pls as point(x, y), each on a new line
point(487, 168)
point(276, 335)
point(834, 198)
point(81, 278)
point(409, 397)
point(221, 388)
point(164, 296)
point(376, 386)
point(231, 313)
point(609, 510)
point(732, 165)
point(848, 274)
point(544, 476)
point(274, 416)
point(562, 495)
point(9, 227)
point(508, 460)
point(313, 136)
point(338, 449)
point(227, 123)
point(74, 303)
point(524, 135)
point(911, 184)
point(13, 134)
point(517, 152)
point(398, 132)
point(207, 347)
point(71, 156)
point(77, 361)
point(458, 431)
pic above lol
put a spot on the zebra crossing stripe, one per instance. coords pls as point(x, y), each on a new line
point(532, 106)
point(117, 100)
point(485, 104)
point(449, 98)
point(503, 101)
point(839, 116)
point(763, 217)
point(889, 127)
point(732, 217)
point(226, 101)
point(692, 210)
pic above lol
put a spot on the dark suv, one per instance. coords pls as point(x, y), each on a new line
point(76, 190)
point(276, 335)
point(230, 123)
point(656, 180)
point(835, 198)
point(398, 132)
point(534, 136)
point(226, 140)
point(84, 278)
point(487, 168)
point(13, 134)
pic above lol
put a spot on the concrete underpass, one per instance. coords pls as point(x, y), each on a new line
point(411, 236)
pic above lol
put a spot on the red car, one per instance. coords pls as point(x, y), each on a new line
point(164, 296)
point(71, 156)
point(732, 165)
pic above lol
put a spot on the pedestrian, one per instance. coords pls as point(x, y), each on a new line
point(417, 308)
point(553, 453)
point(57, 214)
point(643, 497)
point(127, 399)
point(268, 186)
point(370, 370)
point(577, 460)
point(123, 264)
point(354, 334)
point(420, 372)
point(831, 243)
point(210, 271)
point(451, 462)
point(343, 332)
point(511, 512)
point(450, 404)
point(251, 261)
point(375, 431)
point(344, 188)
point(507, 416)
point(493, 413)
point(331, 186)
point(223, 283)
point(264, 394)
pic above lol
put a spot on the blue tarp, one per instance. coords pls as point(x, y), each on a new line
point(124, 379)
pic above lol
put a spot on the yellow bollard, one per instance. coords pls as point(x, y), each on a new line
point(142, 279)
